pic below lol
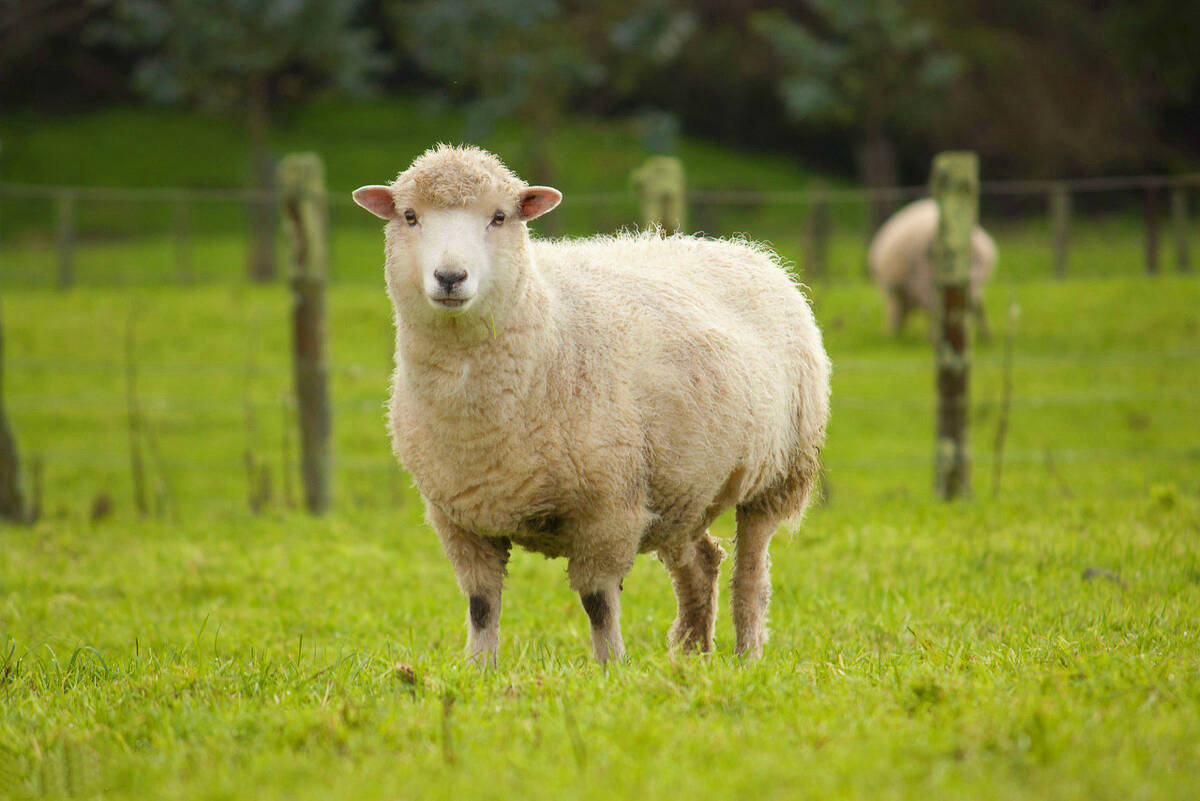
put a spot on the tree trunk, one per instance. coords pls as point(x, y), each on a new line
point(12, 499)
point(261, 259)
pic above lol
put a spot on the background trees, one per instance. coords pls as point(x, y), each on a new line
point(505, 58)
point(865, 86)
point(250, 59)
point(869, 66)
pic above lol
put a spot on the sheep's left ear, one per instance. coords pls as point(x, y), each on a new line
point(376, 199)
point(537, 200)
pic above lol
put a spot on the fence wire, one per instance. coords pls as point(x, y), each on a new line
point(63, 236)
point(67, 235)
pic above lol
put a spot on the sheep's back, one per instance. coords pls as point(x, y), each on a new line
point(901, 243)
point(899, 255)
point(716, 341)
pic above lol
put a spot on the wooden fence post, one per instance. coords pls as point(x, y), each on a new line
point(662, 184)
point(1060, 224)
point(65, 237)
point(12, 498)
point(816, 233)
point(137, 462)
point(305, 207)
point(1179, 228)
point(955, 186)
point(1152, 214)
point(183, 238)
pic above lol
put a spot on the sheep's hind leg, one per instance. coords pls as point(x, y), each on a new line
point(752, 580)
point(695, 568)
point(479, 564)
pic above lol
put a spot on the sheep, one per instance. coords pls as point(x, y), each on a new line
point(901, 264)
point(595, 398)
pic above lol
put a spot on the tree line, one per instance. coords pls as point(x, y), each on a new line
point(870, 87)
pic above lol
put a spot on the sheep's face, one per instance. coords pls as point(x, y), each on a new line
point(449, 259)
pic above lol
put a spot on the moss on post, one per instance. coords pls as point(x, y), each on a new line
point(660, 181)
point(302, 191)
point(955, 186)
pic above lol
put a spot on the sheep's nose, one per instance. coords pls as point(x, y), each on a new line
point(450, 278)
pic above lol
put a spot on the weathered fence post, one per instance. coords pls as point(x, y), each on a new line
point(955, 186)
point(1060, 225)
point(183, 238)
point(12, 498)
point(662, 184)
point(64, 206)
point(1152, 214)
point(305, 207)
point(133, 413)
point(1179, 228)
point(816, 233)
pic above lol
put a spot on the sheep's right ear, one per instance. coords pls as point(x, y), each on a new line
point(376, 199)
point(537, 200)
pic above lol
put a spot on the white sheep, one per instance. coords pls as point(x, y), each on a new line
point(595, 398)
point(901, 263)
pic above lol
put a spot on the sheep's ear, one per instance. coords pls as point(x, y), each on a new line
point(376, 199)
point(537, 200)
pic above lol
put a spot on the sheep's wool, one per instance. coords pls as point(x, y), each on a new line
point(901, 262)
point(446, 177)
point(600, 398)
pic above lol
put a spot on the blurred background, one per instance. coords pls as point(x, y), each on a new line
point(193, 95)
point(143, 261)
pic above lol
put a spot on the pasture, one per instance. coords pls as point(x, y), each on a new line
point(1038, 640)
point(176, 219)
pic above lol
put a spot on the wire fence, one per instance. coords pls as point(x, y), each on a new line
point(223, 431)
point(63, 235)
point(217, 423)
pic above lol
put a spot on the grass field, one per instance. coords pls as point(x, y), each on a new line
point(1036, 642)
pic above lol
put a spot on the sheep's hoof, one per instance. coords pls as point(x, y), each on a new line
point(483, 660)
point(686, 639)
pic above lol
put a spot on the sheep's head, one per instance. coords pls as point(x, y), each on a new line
point(456, 229)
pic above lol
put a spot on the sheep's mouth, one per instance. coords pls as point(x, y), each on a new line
point(450, 302)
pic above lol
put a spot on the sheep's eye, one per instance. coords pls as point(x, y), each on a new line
point(410, 217)
point(498, 218)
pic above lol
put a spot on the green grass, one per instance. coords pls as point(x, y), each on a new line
point(1039, 643)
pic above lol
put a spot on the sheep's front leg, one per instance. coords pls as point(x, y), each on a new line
point(480, 565)
point(603, 607)
point(604, 553)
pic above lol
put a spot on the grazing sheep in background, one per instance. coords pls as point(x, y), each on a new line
point(901, 263)
point(594, 399)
